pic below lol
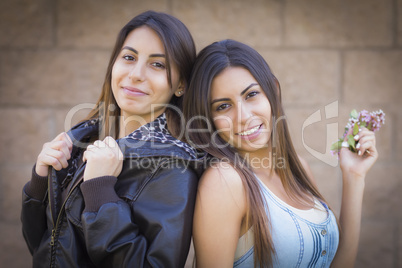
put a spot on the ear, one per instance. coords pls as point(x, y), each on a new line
point(180, 90)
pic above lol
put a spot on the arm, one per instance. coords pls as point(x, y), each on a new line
point(153, 230)
point(354, 169)
point(56, 154)
point(219, 211)
point(34, 210)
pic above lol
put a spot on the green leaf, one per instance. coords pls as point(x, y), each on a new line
point(336, 146)
point(363, 124)
point(354, 114)
point(355, 129)
point(370, 126)
point(352, 142)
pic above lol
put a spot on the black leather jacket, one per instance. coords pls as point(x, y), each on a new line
point(143, 218)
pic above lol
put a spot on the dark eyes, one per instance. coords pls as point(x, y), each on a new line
point(252, 94)
point(156, 64)
point(128, 57)
point(224, 106)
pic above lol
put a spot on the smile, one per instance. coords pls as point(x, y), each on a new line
point(130, 91)
point(250, 131)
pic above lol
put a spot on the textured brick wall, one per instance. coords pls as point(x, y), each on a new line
point(338, 54)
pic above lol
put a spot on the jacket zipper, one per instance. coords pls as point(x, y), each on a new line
point(53, 212)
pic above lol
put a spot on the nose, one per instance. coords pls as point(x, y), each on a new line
point(244, 113)
point(137, 72)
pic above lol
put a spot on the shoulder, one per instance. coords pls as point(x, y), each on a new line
point(221, 182)
point(221, 174)
point(220, 209)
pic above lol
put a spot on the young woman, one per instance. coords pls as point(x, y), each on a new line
point(258, 204)
point(118, 190)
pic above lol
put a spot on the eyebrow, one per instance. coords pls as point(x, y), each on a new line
point(247, 88)
point(151, 56)
point(241, 93)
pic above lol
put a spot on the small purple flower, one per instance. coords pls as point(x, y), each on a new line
point(372, 121)
point(364, 116)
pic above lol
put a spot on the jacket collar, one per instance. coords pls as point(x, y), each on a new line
point(151, 139)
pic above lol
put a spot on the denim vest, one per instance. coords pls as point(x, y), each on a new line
point(297, 242)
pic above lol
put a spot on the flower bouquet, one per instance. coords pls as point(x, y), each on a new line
point(372, 121)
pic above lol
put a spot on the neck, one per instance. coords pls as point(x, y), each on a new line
point(261, 159)
point(129, 124)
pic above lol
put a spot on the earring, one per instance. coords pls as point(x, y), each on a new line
point(180, 92)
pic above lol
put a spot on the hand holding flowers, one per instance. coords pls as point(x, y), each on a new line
point(364, 119)
point(357, 147)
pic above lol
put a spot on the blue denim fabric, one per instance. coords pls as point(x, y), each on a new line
point(247, 260)
point(297, 242)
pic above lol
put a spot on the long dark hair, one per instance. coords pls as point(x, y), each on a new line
point(210, 62)
point(179, 48)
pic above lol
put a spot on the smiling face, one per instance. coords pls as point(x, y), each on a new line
point(139, 76)
point(240, 110)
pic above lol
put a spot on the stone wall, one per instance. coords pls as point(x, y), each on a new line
point(330, 56)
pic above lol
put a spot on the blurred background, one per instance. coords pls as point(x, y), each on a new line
point(330, 56)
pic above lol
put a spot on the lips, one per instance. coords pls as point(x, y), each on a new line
point(249, 131)
point(131, 91)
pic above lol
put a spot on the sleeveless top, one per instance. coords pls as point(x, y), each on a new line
point(301, 238)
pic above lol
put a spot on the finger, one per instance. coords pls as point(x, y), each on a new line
point(91, 147)
point(110, 142)
point(363, 132)
point(366, 139)
point(366, 144)
point(56, 148)
point(100, 144)
point(61, 146)
point(60, 137)
point(365, 136)
point(68, 140)
point(89, 153)
point(85, 156)
point(114, 146)
point(53, 162)
point(367, 148)
point(65, 138)
point(54, 158)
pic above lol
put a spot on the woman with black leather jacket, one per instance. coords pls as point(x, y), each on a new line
point(118, 189)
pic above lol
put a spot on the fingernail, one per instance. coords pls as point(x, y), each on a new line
point(356, 137)
point(358, 146)
point(359, 153)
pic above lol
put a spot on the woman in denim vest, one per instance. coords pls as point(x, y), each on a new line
point(258, 203)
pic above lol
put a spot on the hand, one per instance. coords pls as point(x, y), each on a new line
point(104, 158)
point(55, 153)
point(358, 164)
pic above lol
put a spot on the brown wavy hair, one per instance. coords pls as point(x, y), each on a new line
point(179, 48)
point(210, 62)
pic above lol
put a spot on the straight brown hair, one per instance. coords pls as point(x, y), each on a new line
point(179, 48)
point(210, 62)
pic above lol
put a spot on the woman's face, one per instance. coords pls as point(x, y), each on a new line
point(241, 111)
point(139, 76)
